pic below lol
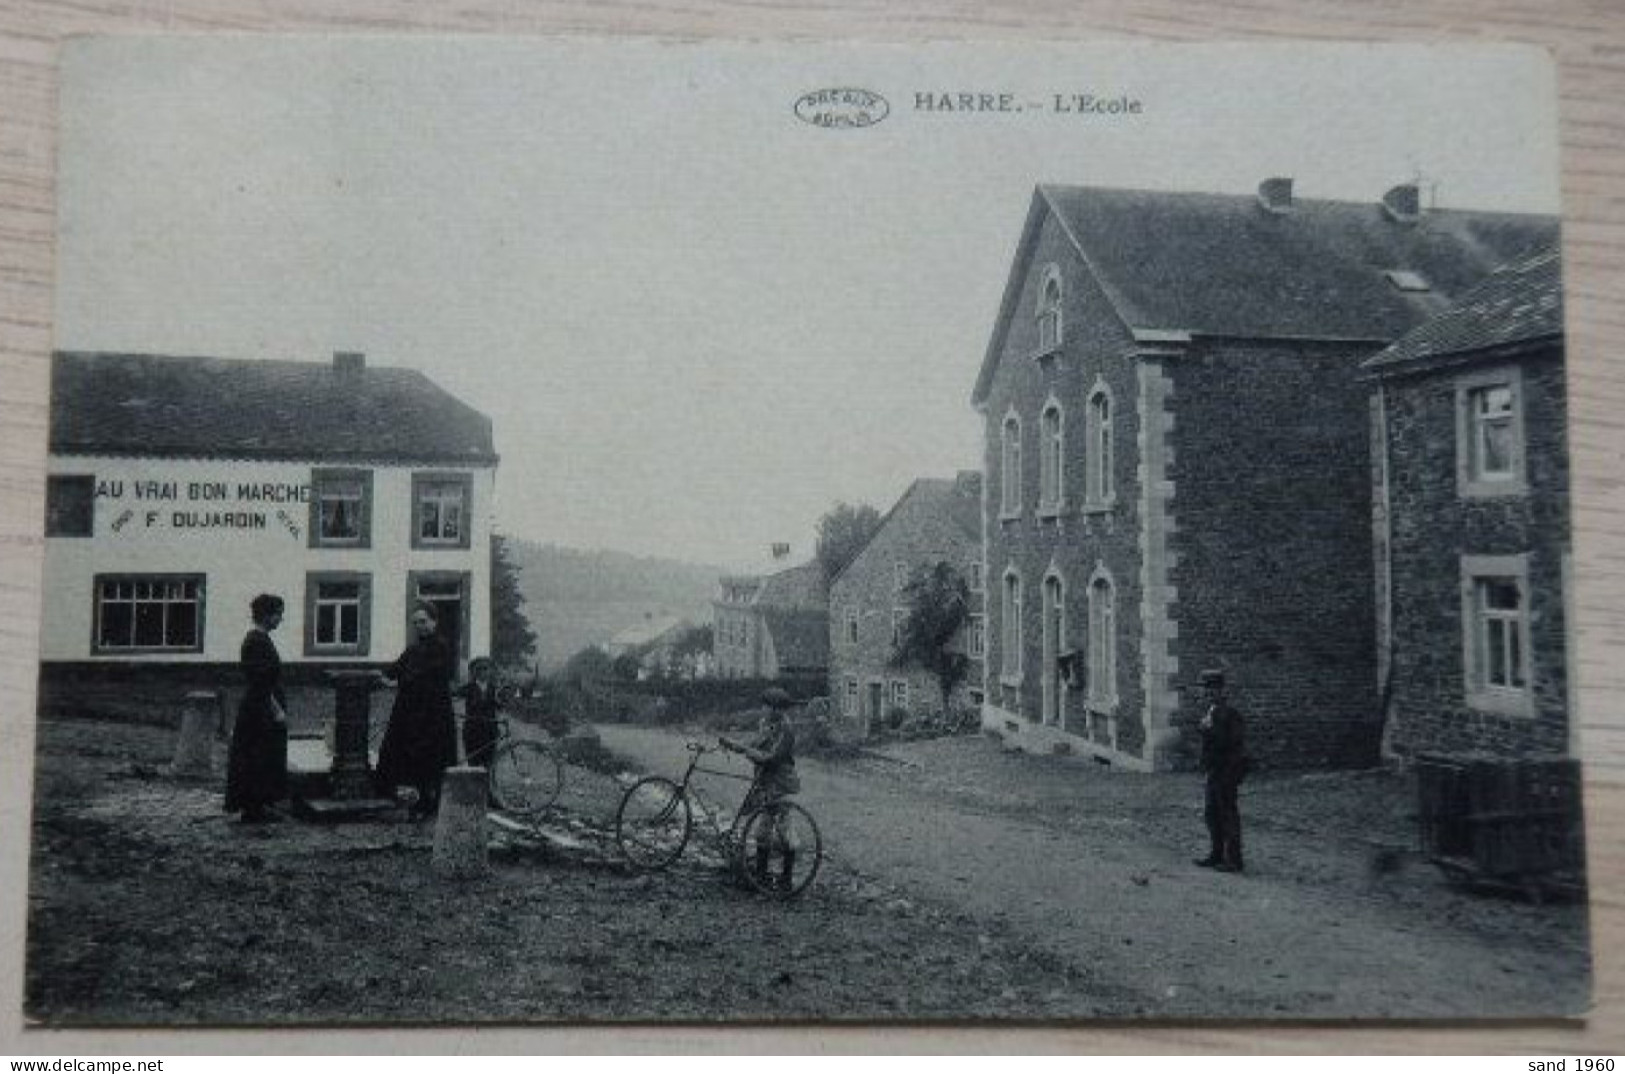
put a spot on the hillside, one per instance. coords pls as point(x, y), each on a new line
point(577, 597)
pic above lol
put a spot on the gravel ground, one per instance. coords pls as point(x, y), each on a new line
point(148, 906)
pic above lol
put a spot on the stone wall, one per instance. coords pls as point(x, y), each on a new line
point(1433, 526)
point(1272, 557)
point(1076, 541)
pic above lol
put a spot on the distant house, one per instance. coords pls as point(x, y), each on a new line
point(773, 626)
point(646, 635)
point(653, 642)
point(1472, 522)
point(1178, 471)
point(936, 520)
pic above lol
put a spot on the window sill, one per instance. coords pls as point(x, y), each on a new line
point(1051, 511)
point(1479, 489)
point(1519, 703)
point(1100, 507)
point(1012, 681)
point(1043, 354)
point(1101, 707)
point(1010, 516)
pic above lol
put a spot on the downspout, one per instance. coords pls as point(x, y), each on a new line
point(1385, 567)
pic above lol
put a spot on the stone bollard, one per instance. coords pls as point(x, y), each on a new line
point(459, 830)
point(194, 753)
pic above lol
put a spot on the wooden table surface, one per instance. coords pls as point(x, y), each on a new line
point(1588, 40)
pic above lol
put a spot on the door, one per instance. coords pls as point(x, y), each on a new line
point(877, 704)
point(448, 593)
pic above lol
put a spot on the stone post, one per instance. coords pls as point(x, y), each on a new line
point(194, 753)
point(459, 831)
point(352, 704)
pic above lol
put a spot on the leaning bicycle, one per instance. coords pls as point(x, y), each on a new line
point(525, 776)
point(772, 845)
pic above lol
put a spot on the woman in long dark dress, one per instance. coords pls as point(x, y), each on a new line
point(257, 766)
point(421, 742)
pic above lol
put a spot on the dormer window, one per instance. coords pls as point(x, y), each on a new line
point(1049, 311)
point(1408, 281)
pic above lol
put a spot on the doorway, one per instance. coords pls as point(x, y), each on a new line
point(448, 593)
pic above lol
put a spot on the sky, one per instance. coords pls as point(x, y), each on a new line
point(695, 321)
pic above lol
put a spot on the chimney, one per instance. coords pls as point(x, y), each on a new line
point(1403, 204)
point(1275, 194)
point(347, 365)
point(781, 551)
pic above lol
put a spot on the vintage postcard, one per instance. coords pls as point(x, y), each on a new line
point(587, 530)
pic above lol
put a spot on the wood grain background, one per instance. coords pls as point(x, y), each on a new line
point(1587, 38)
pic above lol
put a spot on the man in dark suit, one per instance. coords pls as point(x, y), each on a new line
point(1224, 759)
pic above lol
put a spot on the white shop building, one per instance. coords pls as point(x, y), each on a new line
point(179, 488)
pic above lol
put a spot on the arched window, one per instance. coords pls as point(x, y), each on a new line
point(1010, 628)
point(1010, 467)
point(1098, 489)
point(1050, 453)
point(1102, 642)
point(1049, 311)
point(1054, 625)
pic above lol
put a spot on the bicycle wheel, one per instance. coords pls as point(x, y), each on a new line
point(525, 778)
point(779, 849)
point(653, 823)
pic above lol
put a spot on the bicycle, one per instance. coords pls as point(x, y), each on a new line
point(524, 776)
point(773, 846)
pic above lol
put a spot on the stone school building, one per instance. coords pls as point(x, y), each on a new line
point(1177, 437)
point(178, 488)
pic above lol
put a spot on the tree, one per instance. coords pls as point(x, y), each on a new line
point(842, 533)
point(938, 600)
point(513, 642)
point(590, 665)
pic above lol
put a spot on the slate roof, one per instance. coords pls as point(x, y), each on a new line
point(802, 587)
point(1520, 303)
point(182, 407)
point(648, 631)
point(800, 637)
point(958, 499)
point(1223, 265)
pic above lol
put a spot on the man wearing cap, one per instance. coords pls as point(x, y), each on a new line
point(1224, 759)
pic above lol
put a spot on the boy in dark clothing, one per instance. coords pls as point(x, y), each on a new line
point(773, 752)
point(479, 696)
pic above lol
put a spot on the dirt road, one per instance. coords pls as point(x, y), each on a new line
point(1094, 866)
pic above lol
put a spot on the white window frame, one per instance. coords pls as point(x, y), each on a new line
point(1050, 329)
point(1470, 482)
point(898, 615)
point(976, 643)
point(1100, 449)
point(162, 591)
point(899, 694)
point(851, 626)
point(314, 601)
point(1051, 459)
point(1010, 492)
point(1011, 643)
point(1102, 695)
point(899, 576)
point(849, 696)
point(976, 580)
point(1503, 700)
